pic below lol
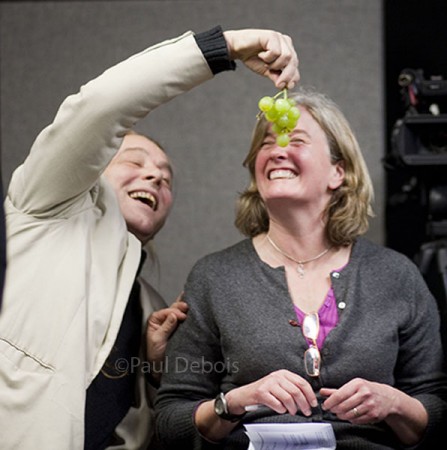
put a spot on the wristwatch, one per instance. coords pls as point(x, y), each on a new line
point(221, 409)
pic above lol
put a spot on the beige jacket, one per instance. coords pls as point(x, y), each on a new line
point(71, 261)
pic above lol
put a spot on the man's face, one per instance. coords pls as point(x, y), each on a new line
point(141, 176)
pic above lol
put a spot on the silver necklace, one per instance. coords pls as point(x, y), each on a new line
point(300, 268)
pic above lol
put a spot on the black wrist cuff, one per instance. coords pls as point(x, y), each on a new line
point(213, 45)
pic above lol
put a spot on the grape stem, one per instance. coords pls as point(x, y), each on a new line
point(283, 92)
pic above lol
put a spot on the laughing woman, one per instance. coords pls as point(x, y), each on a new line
point(306, 317)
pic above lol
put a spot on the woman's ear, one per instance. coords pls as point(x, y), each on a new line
point(338, 175)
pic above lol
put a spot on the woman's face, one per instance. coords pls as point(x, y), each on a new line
point(302, 172)
point(141, 176)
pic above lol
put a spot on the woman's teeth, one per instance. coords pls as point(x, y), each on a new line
point(281, 173)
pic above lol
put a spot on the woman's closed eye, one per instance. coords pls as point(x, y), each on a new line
point(297, 141)
point(268, 142)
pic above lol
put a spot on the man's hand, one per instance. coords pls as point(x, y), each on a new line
point(160, 325)
point(266, 52)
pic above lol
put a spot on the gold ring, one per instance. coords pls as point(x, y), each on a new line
point(356, 412)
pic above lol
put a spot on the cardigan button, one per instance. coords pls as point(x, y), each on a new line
point(335, 275)
point(342, 305)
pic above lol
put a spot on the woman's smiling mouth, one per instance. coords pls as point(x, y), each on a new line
point(277, 174)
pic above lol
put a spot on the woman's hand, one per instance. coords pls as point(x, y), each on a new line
point(362, 402)
point(282, 391)
point(266, 52)
point(359, 401)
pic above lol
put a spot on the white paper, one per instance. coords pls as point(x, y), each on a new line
point(288, 436)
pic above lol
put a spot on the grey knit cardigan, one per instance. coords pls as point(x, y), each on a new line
point(238, 330)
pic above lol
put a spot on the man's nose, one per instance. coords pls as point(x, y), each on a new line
point(154, 175)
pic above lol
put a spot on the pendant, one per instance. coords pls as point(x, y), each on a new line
point(300, 270)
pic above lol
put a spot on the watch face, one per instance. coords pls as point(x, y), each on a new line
point(221, 409)
point(219, 406)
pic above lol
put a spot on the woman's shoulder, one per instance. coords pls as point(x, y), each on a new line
point(377, 254)
point(219, 269)
point(231, 256)
point(234, 251)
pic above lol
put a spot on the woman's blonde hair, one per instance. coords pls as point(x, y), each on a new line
point(350, 206)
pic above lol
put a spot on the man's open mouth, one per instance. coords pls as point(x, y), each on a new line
point(145, 197)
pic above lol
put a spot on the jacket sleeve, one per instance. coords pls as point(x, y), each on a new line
point(69, 155)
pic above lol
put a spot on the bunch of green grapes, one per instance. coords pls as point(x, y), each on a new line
point(282, 113)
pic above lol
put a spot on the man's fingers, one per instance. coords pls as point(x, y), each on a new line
point(158, 318)
point(281, 61)
point(266, 52)
point(169, 325)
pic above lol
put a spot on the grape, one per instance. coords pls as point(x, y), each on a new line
point(294, 113)
point(266, 103)
point(290, 124)
point(282, 113)
point(276, 128)
point(283, 139)
point(271, 115)
point(282, 105)
point(282, 121)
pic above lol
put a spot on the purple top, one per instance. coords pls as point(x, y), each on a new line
point(328, 315)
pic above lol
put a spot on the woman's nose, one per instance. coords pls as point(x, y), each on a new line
point(278, 153)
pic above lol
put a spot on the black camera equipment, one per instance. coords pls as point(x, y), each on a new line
point(416, 166)
point(419, 93)
point(420, 137)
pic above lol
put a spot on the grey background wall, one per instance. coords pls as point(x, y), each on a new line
point(49, 49)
